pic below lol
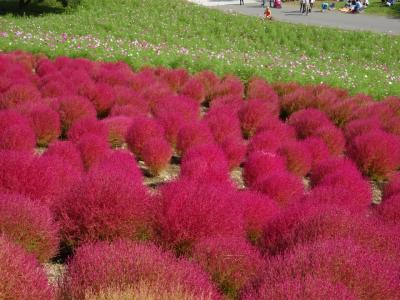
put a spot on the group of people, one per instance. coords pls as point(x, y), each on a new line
point(355, 6)
point(306, 6)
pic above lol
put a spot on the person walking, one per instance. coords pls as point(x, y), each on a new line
point(241, 2)
point(306, 7)
point(302, 2)
point(271, 3)
point(263, 3)
point(311, 4)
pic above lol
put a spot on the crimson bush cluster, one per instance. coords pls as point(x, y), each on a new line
point(272, 196)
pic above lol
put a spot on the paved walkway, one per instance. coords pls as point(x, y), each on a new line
point(290, 13)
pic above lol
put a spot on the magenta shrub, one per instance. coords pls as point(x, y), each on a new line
point(223, 123)
point(172, 123)
point(88, 125)
point(15, 132)
point(66, 151)
point(332, 137)
point(121, 265)
point(29, 224)
point(376, 153)
point(193, 134)
point(169, 105)
point(117, 128)
point(297, 156)
point(235, 151)
point(18, 94)
point(365, 273)
point(389, 210)
point(106, 204)
point(266, 140)
point(281, 186)
point(307, 121)
point(175, 78)
point(257, 209)
point(209, 81)
point(295, 98)
point(191, 211)
point(317, 148)
point(360, 126)
point(229, 85)
point(259, 164)
point(141, 130)
point(252, 114)
point(232, 262)
point(127, 110)
point(156, 153)
point(22, 277)
point(332, 165)
point(127, 96)
point(231, 102)
point(93, 149)
point(205, 163)
point(102, 98)
point(194, 89)
point(281, 129)
point(73, 108)
point(259, 89)
point(392, 187)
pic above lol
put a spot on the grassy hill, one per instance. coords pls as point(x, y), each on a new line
point(176, 33)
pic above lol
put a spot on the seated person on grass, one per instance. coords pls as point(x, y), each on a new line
point(268, 14)
point(357, 8)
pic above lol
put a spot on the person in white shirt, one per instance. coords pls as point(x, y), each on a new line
point(311, 4)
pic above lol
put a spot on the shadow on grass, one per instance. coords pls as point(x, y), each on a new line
point(35, 8)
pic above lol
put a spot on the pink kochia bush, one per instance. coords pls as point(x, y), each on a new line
point(235, 151)
point(107, 204)
point(259, 89)
point(231, 261)
point(376, 153)
point(252, 114)
point(15, 132)
point(84, 126)
point(259, 164)
point(93, 149)
point(365, 273)
point(389, 210)
point(28, 224)
point(392, 187)
point(266, 140)
point(120, 267)
point(297, 156)
point(22, 277)
point(281, 186)
point(191, 211)
point(66, 151)
point(223, 123)
point(141, 130)
point(307, 121)
point(117, 128)
point(156, 153)
point(193, 134)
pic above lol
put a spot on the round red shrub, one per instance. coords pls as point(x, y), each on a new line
point(105, 205)
point(392, 187)
point(332, 165)
point(307, 121)
point(15, 132)
point(258, 209)
point(317, 148)
point(191, 211)
point(44, 121)
point(93, 149)
point(229, 85)
point(127, 96)
point(66, 151)
point(102, 99)
point(281, 186)
point(305, 288)
point(88, 125)
point(22, 277)
point(232, 262)
point(281, 129)
point(194, 89)
point(170, 105)
point(141, 130)
point(389, 210)
point(231, 102)
point(127, 110)
point(175, 78)
point(205, 163)
point(223, 123)
point(209, 81)
point(260, 163)
point(332, 137)
point(18, 94)
point(122, 265)
point(259, 89)
point(376, 153)
point(172, 123)
point(156, 153)
point(367, 274)
point(297, 156)
point(296, 99)
point(252, 114)
point(235, 151)
point(266, 140)
point(342, 112)
point(29, 224)
point(360, 126)
point(117, 128)
point(73, 108)
point(192, 134)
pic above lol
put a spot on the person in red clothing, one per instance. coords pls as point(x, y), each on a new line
point(268, 14)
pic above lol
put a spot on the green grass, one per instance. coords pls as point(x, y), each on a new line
point(179, 34)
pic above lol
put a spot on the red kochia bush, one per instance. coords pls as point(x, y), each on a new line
point(103, 98)
point(15, 132)
point(156, 153)
point(235, 151)
point(223, 123)
point(93, 149)
point(66, 151)
point(229, 85)
point(266, 140)
point(194, 89)
point(209, 81)
point(282, 186)
point(301, 289)
point(392, 187)
point(117, 128)
point(73, 108)
point(389, 210)
point(332, 137)
point(376, 153)
point(28, 224)
point(19, 94)
point(281, 129)
point(191, 211)
point(259, 89)
point(360, 126)
point(195, 133)
point(106, 205)
point(87, 126)
point(367, 274)
point(231, 261)
point(141, 130)
point(307, 121)
point(175, 78)
point(205, 163)
point(257, 210)
point(297, 156)
point(187, 107)
point(101, 268)
point(259, 164)
point(252, 114)
point(317, 148)
point(332, 165)
point(22, 277)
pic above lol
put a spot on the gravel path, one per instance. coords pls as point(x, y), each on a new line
point(290, 13)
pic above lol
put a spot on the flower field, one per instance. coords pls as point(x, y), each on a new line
point(161, 184)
